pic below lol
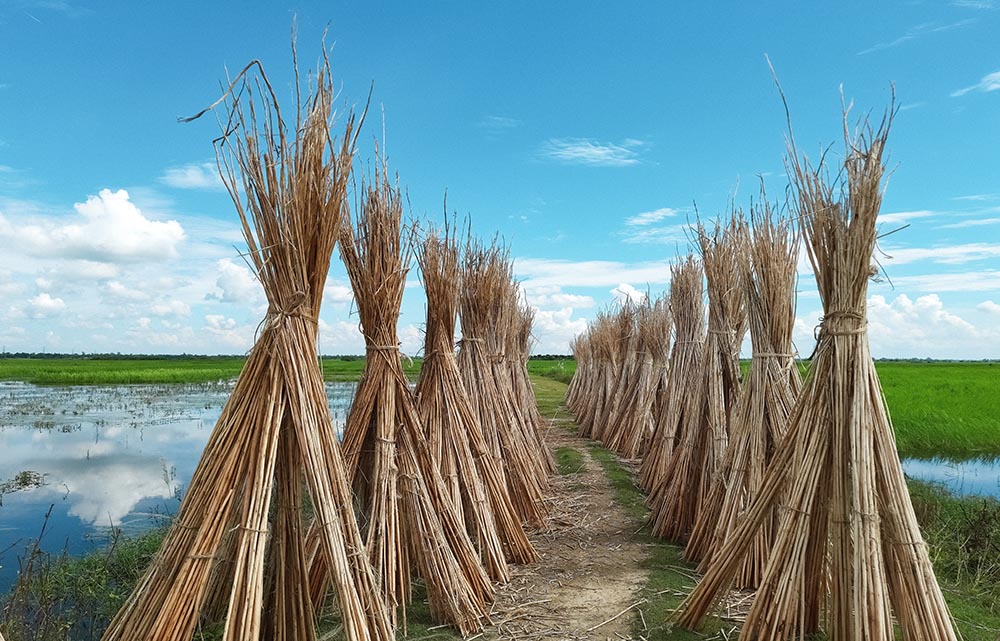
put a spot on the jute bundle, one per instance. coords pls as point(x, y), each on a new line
point(602, 335)
point(702, 440)
point(487, 320)
point(848, 556)
point(518, 355)
point(408, 516)
point(235, 550)
point(683, 402)
point(635, 423)
point(474, 478)
point(582, 377)
point(769, 392)
point(622, 372)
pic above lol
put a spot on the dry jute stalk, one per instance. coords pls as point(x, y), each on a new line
point(408, 517)
point(474, 478)
point(769, 391)
point(236, 548)
point(848, 557)
point(683, 402)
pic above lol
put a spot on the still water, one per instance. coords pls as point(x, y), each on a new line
point(976, 477)
point(102, 457)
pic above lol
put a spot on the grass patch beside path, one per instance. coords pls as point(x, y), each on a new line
point(569, 460)
point(161, 369)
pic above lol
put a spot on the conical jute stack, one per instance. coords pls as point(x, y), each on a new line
point(848, 558)
point(622, 370)
point(518, 355)
point(683, 402)
point(634, 425)
point(702, 439)
point(486, 317)
point(603, 340)
point(408, 518)
point(770, 389)
point(474, 478)
point(578, 385)
point(235, 552)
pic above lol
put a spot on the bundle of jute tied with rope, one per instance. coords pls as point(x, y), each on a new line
point(408, 518)
point(235, 552)
point(602, 337)
point(583, 376)
point(622, 371)
point(473, 476)
point(848, 557)
point(519, 343)
point(770, 389)
point(701, 440)
point(487, 318)
point(634, 425)
point(682, 403)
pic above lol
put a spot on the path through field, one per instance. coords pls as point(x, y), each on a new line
point(585, 586)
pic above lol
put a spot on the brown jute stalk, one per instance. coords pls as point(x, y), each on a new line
point(683, 402)
point(769, 392)
point(408, 518)
point(474, 478)
point(848, 557)
point(235, 550)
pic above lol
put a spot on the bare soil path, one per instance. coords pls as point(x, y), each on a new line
point(586, 582)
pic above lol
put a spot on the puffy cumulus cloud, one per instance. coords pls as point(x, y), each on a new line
point(116, 289)
point(913, 328)
point(553, 296)
point(340, 337)
point(194, 176)
point(411, 340)
point(627, 293)
point(335, 291)
point(236, 284)
point(170, 308)
point(554, 329)
point(110, 229)
point(989, 307)
point(226, 334)
point(44, 306)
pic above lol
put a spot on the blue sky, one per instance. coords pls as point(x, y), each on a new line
point(585, 133)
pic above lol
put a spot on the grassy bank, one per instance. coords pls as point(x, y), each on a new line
point(187, 369)
point(963, 535)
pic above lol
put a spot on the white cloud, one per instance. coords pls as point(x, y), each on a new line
point(948, 255)
point(975, 222)
point(553, 296)
point(336, 292)
point(229, 332)
point(916, 32)
point(660, 235)
point(542, 272)
point(171, 308)
point(978, 281)
point(194, 176)
point(989, 307)
point(118, 290)
point(44, 306)
point(650, 217)
point(586, 151)
point(904, 216)
point(973, 4)
point(554, 329)
point(110, 229)
point(237, 283)
point(497, 124)
point(627, 293)
point(907, 328)
point(989, 82)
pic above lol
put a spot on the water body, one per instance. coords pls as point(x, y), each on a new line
point(102, 457)
point(975, 477)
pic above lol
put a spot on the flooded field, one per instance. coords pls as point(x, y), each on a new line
point(977, 477)
point(102, 458)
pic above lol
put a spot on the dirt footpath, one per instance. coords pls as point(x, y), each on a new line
point(586, 582)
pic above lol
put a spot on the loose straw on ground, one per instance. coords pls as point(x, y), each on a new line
point(236, 548)
point(848, 557)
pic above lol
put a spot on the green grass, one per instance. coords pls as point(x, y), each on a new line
point(569, 460)
point(185, 369)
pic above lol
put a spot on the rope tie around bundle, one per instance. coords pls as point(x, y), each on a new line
point(841, 315)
